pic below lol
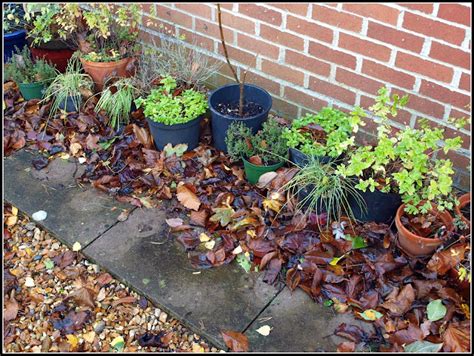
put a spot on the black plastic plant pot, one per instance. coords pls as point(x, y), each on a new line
point(73, 104)
point(381, 207)
point(301, 159)
point(304, 192)
point(228, 94)
point(187, 133)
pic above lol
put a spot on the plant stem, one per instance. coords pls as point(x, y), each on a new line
point(219, 17)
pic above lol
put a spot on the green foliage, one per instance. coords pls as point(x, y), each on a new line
point(116, 100)
point(41, 22)
point(269, 143)
point(436, 310)
point(336, 137)
point(162, 105)
point(23, 70)
point(68, 84)
point(13, 17)
point(404, 162)
point(328, 191)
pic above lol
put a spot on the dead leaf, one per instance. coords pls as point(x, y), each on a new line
point(83, 296)
point(235, 341)
point(124, 300)
point(187, 197)
point(175, 222)
point(400, 303)
point(457, 337)
point(10, 310)
point(104, 279)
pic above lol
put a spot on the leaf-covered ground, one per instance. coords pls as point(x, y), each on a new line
point(57, 301)
point(355, 268)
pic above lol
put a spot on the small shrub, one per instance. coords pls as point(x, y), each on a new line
point(22, 69)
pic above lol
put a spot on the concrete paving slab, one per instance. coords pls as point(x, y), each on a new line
point(299, 325)
point(140, 252)
point(74, 213)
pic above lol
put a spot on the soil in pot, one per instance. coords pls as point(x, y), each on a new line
point(232, 109)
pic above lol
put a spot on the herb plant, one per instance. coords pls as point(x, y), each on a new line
point(268, 144)
point(21, 68)
point(328, 133)
point(170, 105)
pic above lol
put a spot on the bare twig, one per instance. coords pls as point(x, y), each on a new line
point(219, 17)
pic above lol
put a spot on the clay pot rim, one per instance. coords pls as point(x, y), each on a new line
point(463, 201)
point(443, 215)
point(105, 64)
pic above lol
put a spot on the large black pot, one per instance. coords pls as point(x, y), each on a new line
point(301, 159)
point(231, 94)
point(381, 207)
point(71, 104)
point(187, 133)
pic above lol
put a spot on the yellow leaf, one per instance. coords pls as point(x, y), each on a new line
point(271, 204)
point(89, 337)
point(203, 237)
point(76, 247)
point(64, 155)
point(465, 309)
point(197, 347)
point(252, 234)
point(11, 220)
point(74, 148)
point(210, 244)
point(72, 340)
point(14, 210)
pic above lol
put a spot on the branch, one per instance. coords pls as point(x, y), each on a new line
point(219, 15)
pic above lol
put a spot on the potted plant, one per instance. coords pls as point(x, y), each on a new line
point(247, 103)
point(463, 210)
point(43, 34)
point(326, 135)
point(173, 114)
point(106, 39)
point(320, 189)
point(67, 88)
point(31, 77)
point(14, 33)
point(261, 153)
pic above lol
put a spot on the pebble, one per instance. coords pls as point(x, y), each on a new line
point(99, 327)
point(30, 226)
point(163, 317)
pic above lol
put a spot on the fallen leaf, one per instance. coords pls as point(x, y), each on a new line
point(457, 337)
point(123, 215)
point(210, 244)
point(371, 315)
point(422, 346)
point(72, 340)
point(436, 310)
point(175, 222)
point(264, 330)
point(235, 341)
point(89, 337)
point(265, 179)
point(77, 246)
point(346, 346)
point(124, 300)
point(10, 310)
point(29, 282)
point(103, 279)
point(400, 303)
point(188, 198)
point(118, 344)
point(83, 297)
point(203, 237)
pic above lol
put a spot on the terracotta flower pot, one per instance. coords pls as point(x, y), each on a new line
point(416, 245)
point(101, 71)
point(463, 201)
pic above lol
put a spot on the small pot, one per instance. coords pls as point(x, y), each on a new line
point(187, 133)
point(416, 245)
point(12, 40)
point(253, 172)
point(71, 105)
point(464, 200)
point(301, 159)
point(231, 94)
point(32, 90)
point(58, 58)
point(379, 207)
point(101, 71)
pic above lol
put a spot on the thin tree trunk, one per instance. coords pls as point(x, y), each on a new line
point(219, 17)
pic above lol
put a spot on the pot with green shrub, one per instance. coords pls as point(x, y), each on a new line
point(261, 153)
point(326, 135)
point(66, 89)
point(31, 76)
point(173, 114)
point(14, 32)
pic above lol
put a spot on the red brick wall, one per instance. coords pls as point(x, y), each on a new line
point(338, 54)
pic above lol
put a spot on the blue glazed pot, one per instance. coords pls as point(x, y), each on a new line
point(231, 94)
point(12, 39)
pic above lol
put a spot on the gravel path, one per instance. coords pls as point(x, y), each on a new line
point(57, 301)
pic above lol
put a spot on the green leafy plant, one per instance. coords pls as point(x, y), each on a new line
point(13, 17)
point(326, 190)
point(68, 85)
point(328, 133)
point(22, 69)
point(268, 144)
point(404, 162)
point(171, 105)
point(41, 22)
point(116, 101)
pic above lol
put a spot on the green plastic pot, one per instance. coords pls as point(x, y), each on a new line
point(32, 90)
point(253, 172)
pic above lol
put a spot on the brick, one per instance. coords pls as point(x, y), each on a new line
point(257, 46)
point(464, 181)
point(465, 82)
point(283, 72)
point(444, 94)
point(308, 63)
point(395, 37)
point(236, 54)
point(332, 90)
point(200, 41)
point(261, 13)
point(422, 66)
point(432, 28)
point(196, 9)
point(284, 38)
point(283, 107)
point(358, 81)
point(364, 47)
point(234, 21)
point(158, 25)
point(293, 8)
point(388, 74)
point(304, 99)
point(146, 7)
point(378, 12)
point(212, 29)
point(309, 29)
point(176, 17)
point(453, 133)
point(336, 18)
point(426, 7)
point(455, 13)
point(328, 54)
point(450, 55)
point(422, 105)
point(267, 84)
